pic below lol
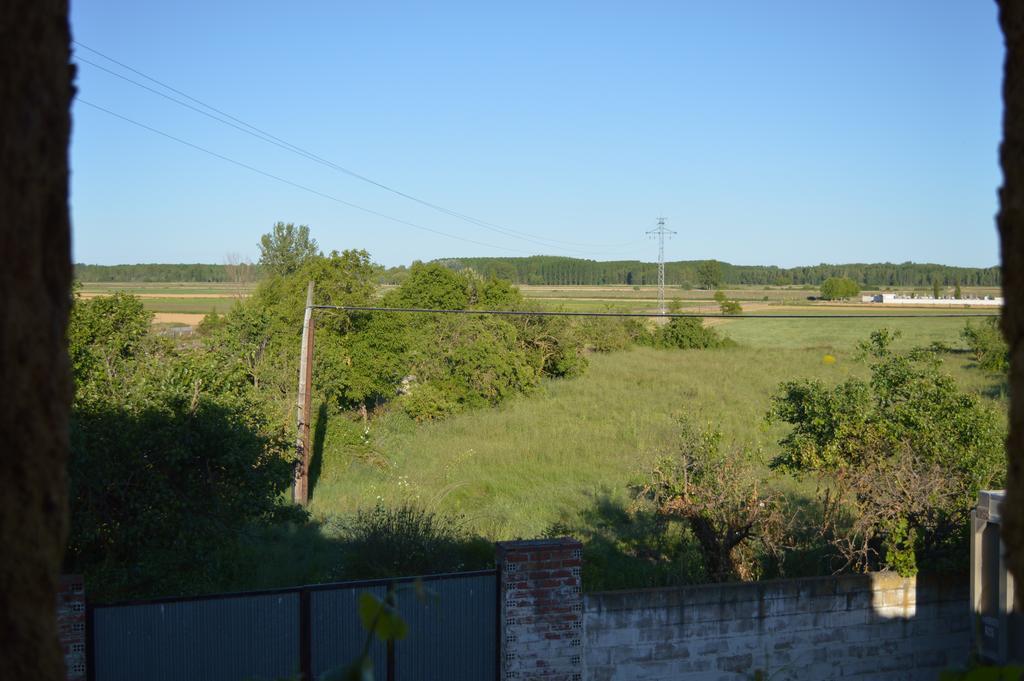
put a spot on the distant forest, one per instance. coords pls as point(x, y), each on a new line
point(560, 271)
point(196, 272)
point(554, 270)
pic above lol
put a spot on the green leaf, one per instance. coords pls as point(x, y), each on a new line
point(380, 618)
point(369, 609)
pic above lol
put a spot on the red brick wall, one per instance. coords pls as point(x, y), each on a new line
point(541, 610)
point(71, 625)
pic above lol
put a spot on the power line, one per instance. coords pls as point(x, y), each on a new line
point(265, 136)
point(696, 315)
point(293, 184)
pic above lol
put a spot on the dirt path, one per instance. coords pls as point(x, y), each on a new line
point(177, 318)
point(95, 294)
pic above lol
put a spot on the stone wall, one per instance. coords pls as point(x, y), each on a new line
point(870, 627)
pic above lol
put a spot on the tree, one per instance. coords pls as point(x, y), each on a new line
point(726, 305)
point(241, 273)
point(731, 307)
point(839, 288)
point(935, 288)
point(171, 456)
point(105, 335)
point(719, 499)
point(957, 293)
point(286, 247)
point(433, 287)
point(901, 456)
point(709, 274)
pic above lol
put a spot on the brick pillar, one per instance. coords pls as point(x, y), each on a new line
point(71, 625)
point(541, 610)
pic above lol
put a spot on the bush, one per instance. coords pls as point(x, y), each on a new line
point(715, 493)
point(901, 457)
point(988, 345)
point(687, 333)
point(408, 540)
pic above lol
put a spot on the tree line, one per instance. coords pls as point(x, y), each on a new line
point(153, 272)
point(557, 271)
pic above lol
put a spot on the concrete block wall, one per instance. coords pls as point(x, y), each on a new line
point(71, 625)
point(541, 621)
point(878, 627)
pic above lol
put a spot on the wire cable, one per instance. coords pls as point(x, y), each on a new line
point(671, 315)
point(303, 187)
point(267, 137)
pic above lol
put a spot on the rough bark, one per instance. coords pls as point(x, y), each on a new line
point(35, 280)
point(1011, 234)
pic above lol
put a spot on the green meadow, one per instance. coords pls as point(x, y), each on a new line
point(549, 457)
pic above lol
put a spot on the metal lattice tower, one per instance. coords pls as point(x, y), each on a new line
point(660, 231)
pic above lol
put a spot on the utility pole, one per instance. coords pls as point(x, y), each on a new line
point(300, 485)
point(660, 231)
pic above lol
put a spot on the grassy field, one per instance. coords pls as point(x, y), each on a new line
point(514, 470)
point(547, 457)
point(202, 298)
point(568, 452)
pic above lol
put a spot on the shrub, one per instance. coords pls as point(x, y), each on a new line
point(688, 333)
point(987, 345)
point(901, 457)
point(716, 494)
point(407, 540)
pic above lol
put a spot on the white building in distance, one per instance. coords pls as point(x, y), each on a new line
point(896, 299)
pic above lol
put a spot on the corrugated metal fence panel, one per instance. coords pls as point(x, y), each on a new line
point(336, 634)
point(452, 634)
point(223, 639)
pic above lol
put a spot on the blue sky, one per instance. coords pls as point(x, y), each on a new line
point(766, 132)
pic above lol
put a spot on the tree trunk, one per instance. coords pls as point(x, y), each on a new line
point(35, 289)
point(1011, 233)
point(718, 560)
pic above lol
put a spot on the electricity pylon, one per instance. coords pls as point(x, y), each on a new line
point(660, 231)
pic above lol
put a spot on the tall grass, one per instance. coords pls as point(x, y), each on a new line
point(514, 470)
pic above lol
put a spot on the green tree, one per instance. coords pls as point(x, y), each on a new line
point(957, 293)
point(936, 289)
point(839, 288)
point(432, 286)
point(709, 274)
point(902, 457)
point(286, 248)
point(726, 305)
point(717, 495)
point(731, 307)
point(104, 336)
point(171, 457)
point(987, 344)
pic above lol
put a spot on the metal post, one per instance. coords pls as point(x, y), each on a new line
point(300, 487)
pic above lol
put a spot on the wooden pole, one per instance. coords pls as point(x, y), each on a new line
point(300, 487)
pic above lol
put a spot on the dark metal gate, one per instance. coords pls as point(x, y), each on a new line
point(309, 630)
